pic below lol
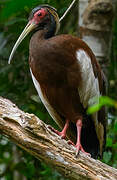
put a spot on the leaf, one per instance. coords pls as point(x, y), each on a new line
point(103, 100)
point(115, 146)
point(109, 142)
point(115, 127)
point(94, 108)
point(107, 156)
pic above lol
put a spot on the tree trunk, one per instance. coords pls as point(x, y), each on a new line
point(95, 27)
point(34, 136)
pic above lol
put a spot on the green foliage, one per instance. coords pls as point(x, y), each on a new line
point(104, 100)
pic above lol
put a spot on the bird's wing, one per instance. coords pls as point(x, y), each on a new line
point(91, 89)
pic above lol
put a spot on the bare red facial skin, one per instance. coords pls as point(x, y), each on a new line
point(38, 16)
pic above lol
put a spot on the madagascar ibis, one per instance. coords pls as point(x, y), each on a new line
point(68, 80)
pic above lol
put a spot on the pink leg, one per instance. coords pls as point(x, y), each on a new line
point(63, 132)
point(78, 143)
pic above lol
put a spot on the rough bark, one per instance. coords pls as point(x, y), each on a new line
point(34, 136)
point(95, 21)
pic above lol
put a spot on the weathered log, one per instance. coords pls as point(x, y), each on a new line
point(34, 136)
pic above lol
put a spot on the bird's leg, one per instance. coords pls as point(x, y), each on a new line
point(78, 143)
point(63, 132)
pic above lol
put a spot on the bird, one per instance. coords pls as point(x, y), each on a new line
point(68, 80)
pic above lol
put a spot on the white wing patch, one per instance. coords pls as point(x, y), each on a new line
point(89, 92)
point(44, 100)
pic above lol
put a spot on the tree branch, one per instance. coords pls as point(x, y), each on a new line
point(34, 136)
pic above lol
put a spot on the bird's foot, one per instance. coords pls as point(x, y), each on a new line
point(61, 134)
point(80, 148)
point(70, 143)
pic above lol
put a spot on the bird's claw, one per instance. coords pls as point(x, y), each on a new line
point(62, 135)
point(80, 148)
point(70, 143)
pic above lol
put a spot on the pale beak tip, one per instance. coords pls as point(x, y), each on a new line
point(10, 58)
point(9, 61)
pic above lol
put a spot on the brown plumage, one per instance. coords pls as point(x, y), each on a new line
point(65, 84)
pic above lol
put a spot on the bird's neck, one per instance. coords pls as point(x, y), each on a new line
point(37, 41)
point(51, 28)
point(40, 36)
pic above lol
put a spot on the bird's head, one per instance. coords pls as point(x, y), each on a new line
point(41, 17)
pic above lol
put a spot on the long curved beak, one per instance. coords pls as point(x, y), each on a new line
point(29, 27)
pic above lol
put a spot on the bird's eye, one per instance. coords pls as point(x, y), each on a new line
point(40, 14)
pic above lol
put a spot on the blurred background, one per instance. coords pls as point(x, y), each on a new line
point(16, 85)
